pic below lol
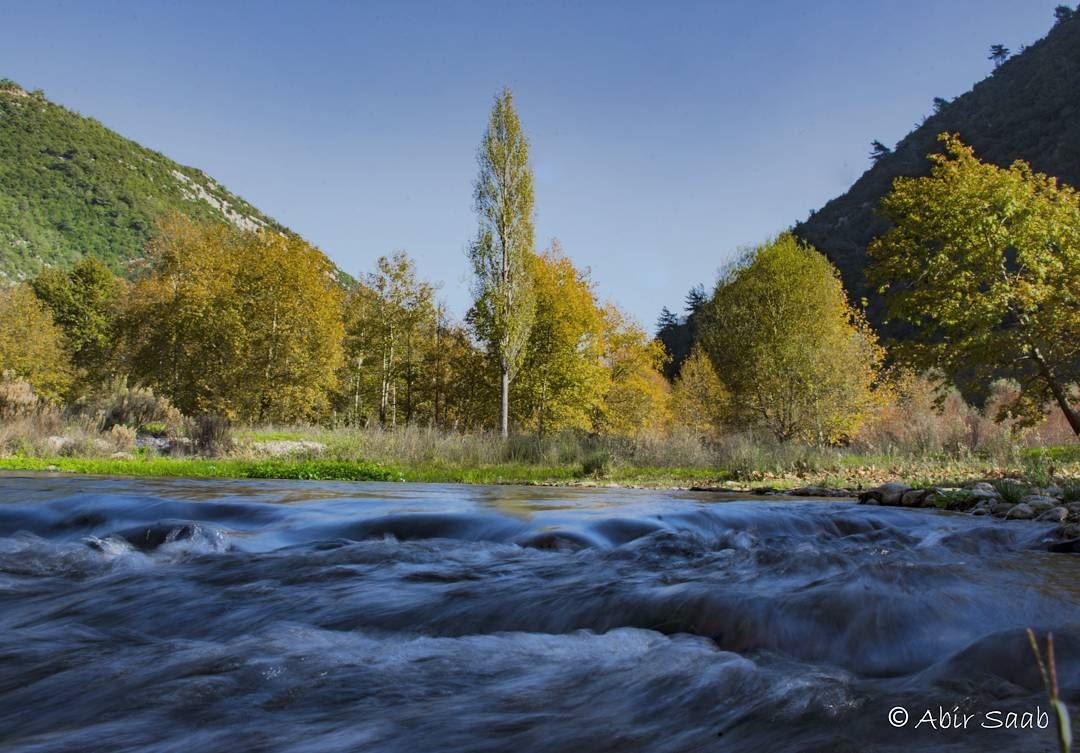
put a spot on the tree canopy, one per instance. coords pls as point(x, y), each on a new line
point(240, 323)
point(795, 356)
point(32, 347)
point(500, 255)
point(985, 262)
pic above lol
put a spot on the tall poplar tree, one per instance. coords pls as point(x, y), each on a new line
point(503, 313)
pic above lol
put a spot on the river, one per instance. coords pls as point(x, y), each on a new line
point(183, 615)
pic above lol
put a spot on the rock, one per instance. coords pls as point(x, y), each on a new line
point(1039, 503)
point(1054, 491)
point(1069, 546)
point(914, 497)
point(891, 493)
point(982, 486)
point(981, 511)
point(57, 444)
point(1021, 511)
point(122, 456)
point(820, 491)
point(1001, 509)
point(1073, 507)
point(1055, 515)
point(280, 447)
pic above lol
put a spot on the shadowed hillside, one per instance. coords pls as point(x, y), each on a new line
point(1028, 109)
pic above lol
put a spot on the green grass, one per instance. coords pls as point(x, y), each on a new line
point(315, 470)
point(272, 436)
point(346, 470)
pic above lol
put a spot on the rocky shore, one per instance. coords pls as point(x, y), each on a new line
point(1006, 500)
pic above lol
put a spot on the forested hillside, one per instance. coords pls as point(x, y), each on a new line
point(70, 187)
point(1028, 109)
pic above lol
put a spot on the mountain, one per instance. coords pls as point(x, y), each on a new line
point(71, 187)
point(1028, 109)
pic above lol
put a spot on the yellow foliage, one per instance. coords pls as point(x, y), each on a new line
point(243, 324)
point(638, 399)
point(31, 345)
point(562, 380)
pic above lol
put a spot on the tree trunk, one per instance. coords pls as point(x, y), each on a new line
point(1058, 391)
point(505, 422)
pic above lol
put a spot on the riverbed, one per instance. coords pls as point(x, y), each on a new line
point(182, 615)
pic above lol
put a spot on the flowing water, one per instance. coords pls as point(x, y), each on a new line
point(302, 616)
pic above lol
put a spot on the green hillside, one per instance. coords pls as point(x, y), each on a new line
point(1028, 109)
point(71, 187)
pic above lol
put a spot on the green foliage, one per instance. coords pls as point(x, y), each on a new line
point(503, 313)
point(84, 302)
point(794, 355)
point(71, 188)
point(31, 345)
point(391, 326)
point(985, 262)
point(1011, 491)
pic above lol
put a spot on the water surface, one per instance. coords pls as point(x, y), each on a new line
point(172, 615)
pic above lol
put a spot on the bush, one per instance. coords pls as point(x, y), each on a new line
point(17, 400)
point(123, 437)
point(211, 433)
point(135, 407)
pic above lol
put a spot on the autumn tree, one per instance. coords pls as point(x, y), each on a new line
point(84, 303)
point(32, 345)
point(985, 262)
point(390, 319)
point(638, 396)
point(503, 313)
point(795, 356)
point(699, 400)
point(562, 379)
point(240, 323)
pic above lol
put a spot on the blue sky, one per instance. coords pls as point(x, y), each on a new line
point(665, 136)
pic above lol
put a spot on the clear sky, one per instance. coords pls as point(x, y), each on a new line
point(665, 135)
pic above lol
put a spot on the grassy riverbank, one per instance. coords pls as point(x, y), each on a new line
point(832, 469)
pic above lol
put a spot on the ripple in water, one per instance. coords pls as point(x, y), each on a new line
point(283, 616)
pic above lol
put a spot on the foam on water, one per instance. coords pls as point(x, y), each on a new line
point(180, 615)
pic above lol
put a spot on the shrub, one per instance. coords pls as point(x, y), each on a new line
point(17, 400)
point(135, 407)
point(123, 437)
point(1010, 491)
point(211, 433)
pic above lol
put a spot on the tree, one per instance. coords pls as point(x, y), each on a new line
point(31, 345)
point(638, 397)
point(1063, 13)
point(879, 151)
point(388, 317)
point(84, 304)
point(999, 54)
point(985, 261)
point(940, 104)
point(795, 356)
point(698, 397)
point(503, 312)
point(562, 380)
point(239, 323)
